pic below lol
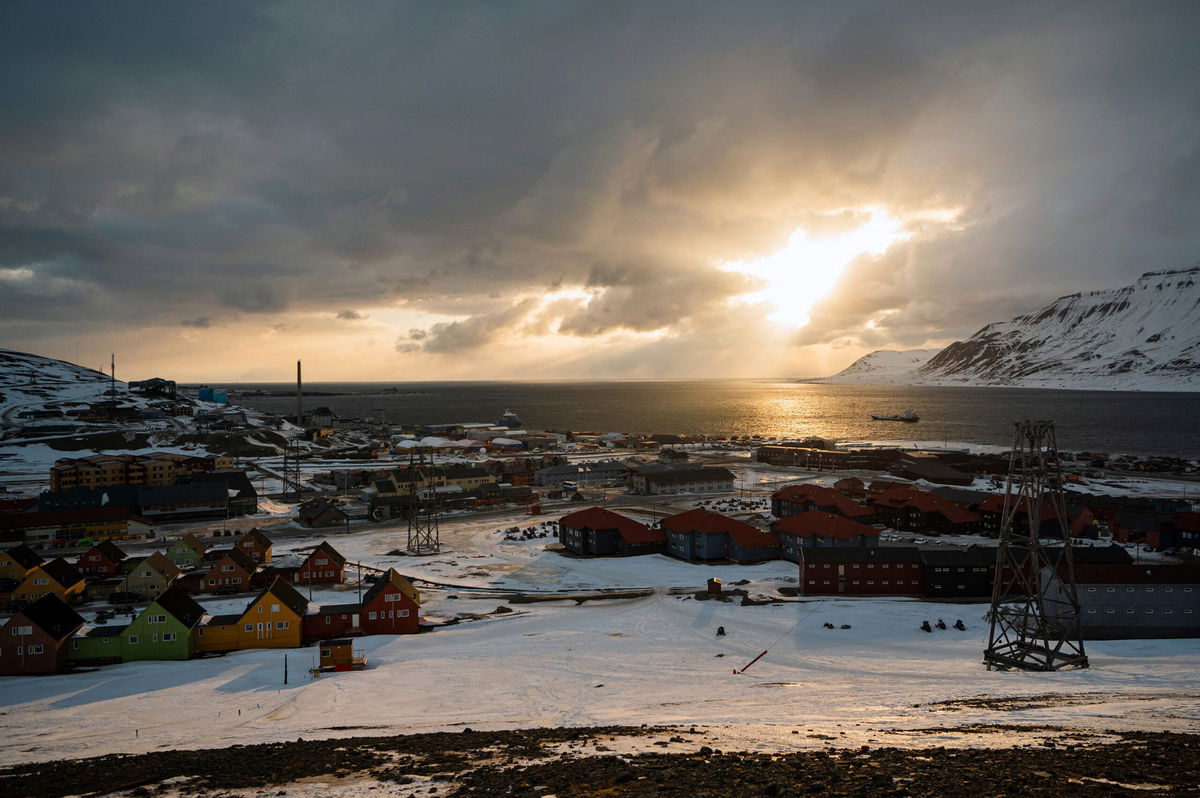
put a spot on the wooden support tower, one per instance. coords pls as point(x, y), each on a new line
point(1034, 619)
point(423, 534)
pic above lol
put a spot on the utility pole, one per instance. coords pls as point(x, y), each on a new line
point(1035, 616)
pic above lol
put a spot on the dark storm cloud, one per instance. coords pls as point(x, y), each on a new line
point(211, 159)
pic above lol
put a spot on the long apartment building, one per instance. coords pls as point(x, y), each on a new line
point(105, 470)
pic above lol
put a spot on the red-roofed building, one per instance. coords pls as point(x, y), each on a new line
point(802, 498)
point(908, 509)
point(705, 535)
point(103, 559)
point(598, 531)
point(992, 512)
point(816, 528)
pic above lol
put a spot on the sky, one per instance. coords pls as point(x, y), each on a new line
point(585, 190)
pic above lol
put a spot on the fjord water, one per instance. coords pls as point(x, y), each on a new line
point(1132, 422)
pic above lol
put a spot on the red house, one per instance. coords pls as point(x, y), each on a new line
point(862, 571)
point(392, 606)
point(336, 620)
point(103, 559)
point(324, 565)
point(35, 639)
point(232, 568)
point(802, 498)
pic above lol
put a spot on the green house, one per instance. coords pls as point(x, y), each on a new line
point(187, 552)
point(96, 645)
point(164, 630)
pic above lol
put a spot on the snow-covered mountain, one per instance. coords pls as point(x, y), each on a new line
point(1145, 336)
point(884, 367)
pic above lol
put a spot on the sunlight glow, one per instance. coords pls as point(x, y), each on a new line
point(809, 266)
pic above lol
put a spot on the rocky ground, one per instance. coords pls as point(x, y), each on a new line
point(590, 762)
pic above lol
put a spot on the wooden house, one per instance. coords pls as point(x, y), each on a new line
point(392, 606)
point(704, 535)
point(599, 531)
point(165, 630)
point(96, 645)
point(35, 639)
point(340, 655)
point(187, 552)
point(101, 560)
point(150, 575)
point(321, 512)
point(816, 528)
point(862, 571)
point(56, 577)
point(217, 633)
point(324, 565)
point(255, 545)
point(333, 620)
point(232, 569)
point(17, 562)
point(274, 619)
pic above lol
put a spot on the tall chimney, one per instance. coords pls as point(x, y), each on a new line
point(299, 398)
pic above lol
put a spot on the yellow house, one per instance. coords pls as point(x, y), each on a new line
point(217, 633)
point(274, 619)
point(57, 576)
point(17, 562)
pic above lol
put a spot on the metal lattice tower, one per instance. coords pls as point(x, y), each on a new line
point(291, 469)
point(423, 536)
point(1035, 619)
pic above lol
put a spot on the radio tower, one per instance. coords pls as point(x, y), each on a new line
point(423, 535)
point(1035, 623)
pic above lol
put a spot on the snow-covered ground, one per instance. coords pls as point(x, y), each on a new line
point(654, 659)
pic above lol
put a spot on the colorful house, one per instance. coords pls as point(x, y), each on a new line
point(165, 630)
point(325, 565)
point(599, 531)
point(233, 568)
point(321, 512)
point(17, 562)
point(149, 576)
point(392, 606)
point(35, 639)
point(255, 545)
point(333, 620)
point(340, 655)
point(275, 619)
point(217, 633)
point(96, 645)
point(58, 577)
point(187, 552)
point(102, 560)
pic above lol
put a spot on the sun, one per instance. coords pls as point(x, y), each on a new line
point(809, 266)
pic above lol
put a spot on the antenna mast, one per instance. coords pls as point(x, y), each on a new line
point(423, 535)
point(1034, 619)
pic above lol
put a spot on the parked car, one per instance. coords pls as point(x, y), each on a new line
point(227, 590)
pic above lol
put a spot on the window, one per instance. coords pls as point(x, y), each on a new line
point(227, 568)
point(281, 624)
point(1091, 590)
point(249, 627)
point(327, 619)
point(169, 637)
point(870, 581)
point(1149, 590)
point(22, 630)
point(1091, 612)
point(154, 637)
point(133, 640)
point(1112, 590)
point(35, 649)
point(274, 608)
point(1111, 612)
point(403, 613)
point(372, 616)
point(41, 580)
point(260, 609)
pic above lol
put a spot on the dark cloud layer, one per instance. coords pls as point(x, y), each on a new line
point(583, 168)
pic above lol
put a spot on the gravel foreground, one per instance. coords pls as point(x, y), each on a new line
point(580, 762)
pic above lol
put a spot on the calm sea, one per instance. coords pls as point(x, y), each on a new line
point(1139, 423)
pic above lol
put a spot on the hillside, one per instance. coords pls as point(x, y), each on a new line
point(1145, 336)
point(884, 367)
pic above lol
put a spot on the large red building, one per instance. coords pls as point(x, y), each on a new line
point(862, 571)
point(35, 639)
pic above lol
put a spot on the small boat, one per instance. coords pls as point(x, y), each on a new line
point(908, 415)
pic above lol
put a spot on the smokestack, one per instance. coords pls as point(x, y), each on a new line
point(299, 398)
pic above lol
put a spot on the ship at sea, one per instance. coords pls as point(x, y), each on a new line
point(908, 415)
point(510, 420)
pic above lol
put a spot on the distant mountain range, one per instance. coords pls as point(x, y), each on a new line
point(1145, 337)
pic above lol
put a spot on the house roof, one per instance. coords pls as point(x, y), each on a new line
point(283, 590)
point(815, 522)
point(707, 522)
point(257, 536)
point(222, 620)
point(1100, 555)
point(240, 559)
point(193, 543)
point(234, 480)
point(330, 551)
point(186, 493)
point(822, 496)
point(110, 550)
point(632, 532)
point(62, 572)
point(52, 615)
point(178, 603)
point(315, 508)
point(24, 556)
point(159, 562)
point(687, 475)
point(64, 517)
point(907, 496)
point(338, 609)
point(399, 580)
point(857, 554)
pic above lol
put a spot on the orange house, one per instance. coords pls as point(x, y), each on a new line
point(275, 619)
point(255, 545)
point(17, 562)
point(57, 576)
